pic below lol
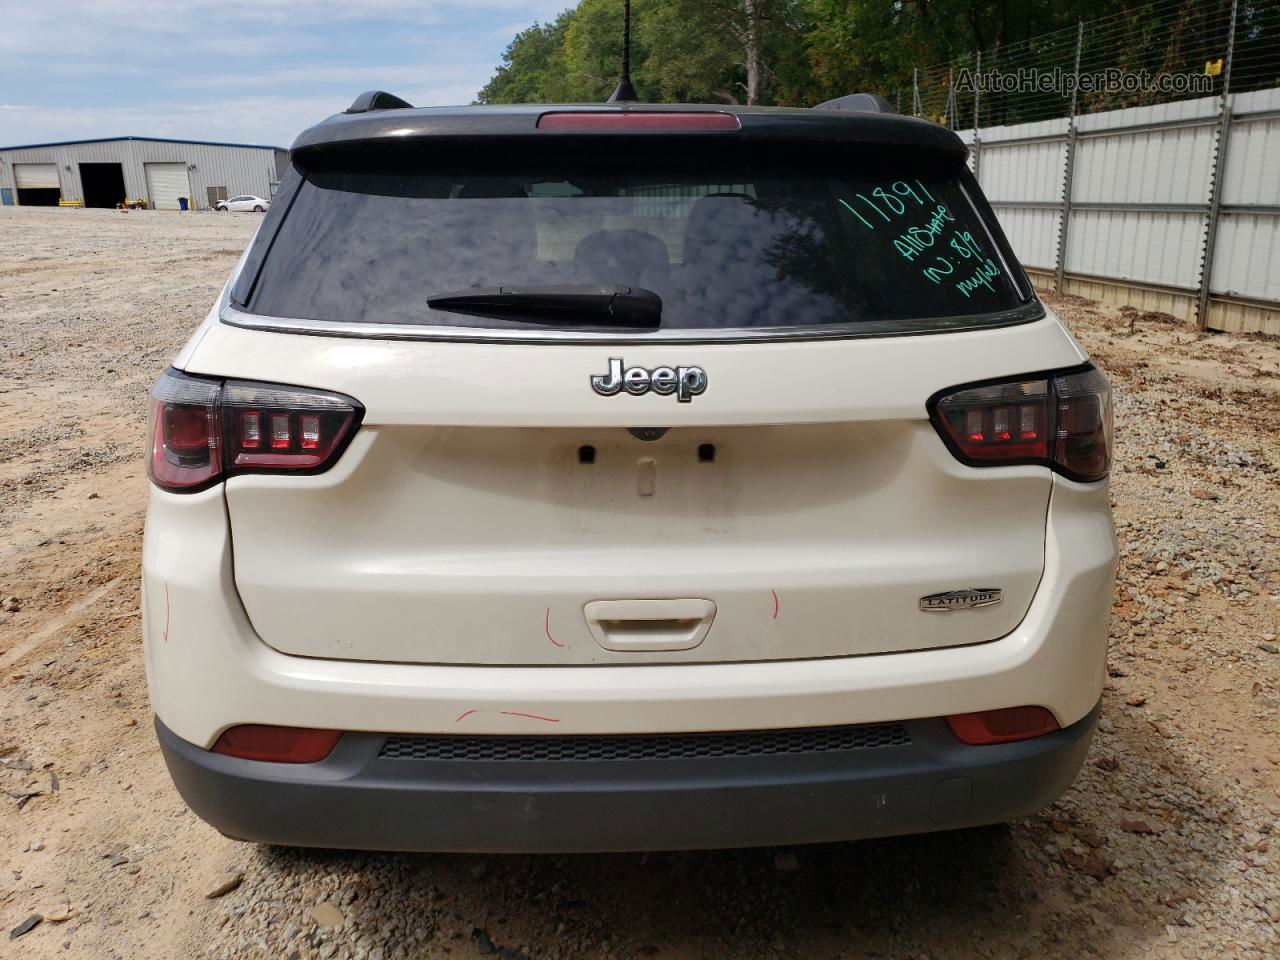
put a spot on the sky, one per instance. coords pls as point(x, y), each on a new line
point(242, 71)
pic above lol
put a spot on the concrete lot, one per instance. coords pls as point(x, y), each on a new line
point(1167, 845)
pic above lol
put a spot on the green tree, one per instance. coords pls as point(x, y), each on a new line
point(753, 24)
point(593, 48)
point(532, 68)
point(693, 59)
point(682, 51)
point(874, 44)
point(799, 52)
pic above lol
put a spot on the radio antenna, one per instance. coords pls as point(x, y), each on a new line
point(625, 92)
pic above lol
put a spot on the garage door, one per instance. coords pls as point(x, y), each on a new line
point(166, 182)
point(35, 176)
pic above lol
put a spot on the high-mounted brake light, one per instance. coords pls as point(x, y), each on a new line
point(203, 430)
point(637, 120)
point(253, 741)
point(1059, 420)
point(1001, 726)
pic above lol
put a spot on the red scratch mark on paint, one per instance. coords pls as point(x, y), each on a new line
point(508, 713)
point(165, 633)
point(775, 603)
point(547, 627)
point(528, 716)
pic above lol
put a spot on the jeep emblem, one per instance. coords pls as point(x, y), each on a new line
point(685, 382)
point(961, 599)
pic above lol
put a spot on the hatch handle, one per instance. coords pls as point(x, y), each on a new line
point(649, 625)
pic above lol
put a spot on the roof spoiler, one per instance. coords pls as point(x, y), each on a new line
point(858, 102)
point(377, 100)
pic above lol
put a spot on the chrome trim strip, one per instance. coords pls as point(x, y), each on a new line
point(1026, 313)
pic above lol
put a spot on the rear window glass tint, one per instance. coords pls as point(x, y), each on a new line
point(275, 215)
point(746, 248)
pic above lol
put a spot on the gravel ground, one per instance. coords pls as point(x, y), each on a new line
point(1166, 845)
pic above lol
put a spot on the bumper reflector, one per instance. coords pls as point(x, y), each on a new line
point(1002, 726)
point(252, 741)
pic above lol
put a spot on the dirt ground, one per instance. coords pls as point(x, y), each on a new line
point(1166, 846)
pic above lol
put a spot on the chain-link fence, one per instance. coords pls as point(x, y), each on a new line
point(1110, 187)
point(1157, 53)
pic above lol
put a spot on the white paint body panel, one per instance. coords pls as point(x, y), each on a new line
point(494, 385)
point(455, 545)
point(831, 507)
point(208, 670)
point(439, 577)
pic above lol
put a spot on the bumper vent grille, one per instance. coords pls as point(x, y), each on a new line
point(683, 746)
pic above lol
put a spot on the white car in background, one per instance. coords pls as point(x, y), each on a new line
point(243, 204)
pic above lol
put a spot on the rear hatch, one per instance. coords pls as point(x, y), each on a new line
point(498, 506)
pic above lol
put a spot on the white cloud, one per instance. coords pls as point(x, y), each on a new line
point(274, 121)
point(509, 30)
point(137, 27)
point(351, 80)
point(242, 70)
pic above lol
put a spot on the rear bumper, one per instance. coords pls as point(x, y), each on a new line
point(357, 799)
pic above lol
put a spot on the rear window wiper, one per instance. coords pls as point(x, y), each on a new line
point(559, 305)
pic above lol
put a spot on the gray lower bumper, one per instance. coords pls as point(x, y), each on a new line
point(355, 799)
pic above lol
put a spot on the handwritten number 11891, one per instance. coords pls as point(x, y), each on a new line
point(890, 201)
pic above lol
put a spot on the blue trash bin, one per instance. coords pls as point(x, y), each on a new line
point(182, 203)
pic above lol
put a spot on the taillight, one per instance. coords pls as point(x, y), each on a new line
point(185, 429)
point(1058, 420)
point(1002, 726)
point(283, 428)
point(253, 741)
point(203, 430)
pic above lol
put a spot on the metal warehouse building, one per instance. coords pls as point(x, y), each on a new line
point(164, 173)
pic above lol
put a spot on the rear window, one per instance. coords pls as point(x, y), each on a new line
point(804, 237)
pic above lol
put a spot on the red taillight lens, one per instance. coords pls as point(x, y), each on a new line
point(1002, 726)
point(253, 741)
point(1062, 421)
point(1083, 427)
point(202, 430)
point(284, 428)
point(187, 430)
point(636, 120)
point(184, 430)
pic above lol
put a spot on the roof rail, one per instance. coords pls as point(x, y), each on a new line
point(377, 100)
point(859, 102)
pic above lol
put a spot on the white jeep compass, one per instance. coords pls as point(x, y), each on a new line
point(574, 478)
